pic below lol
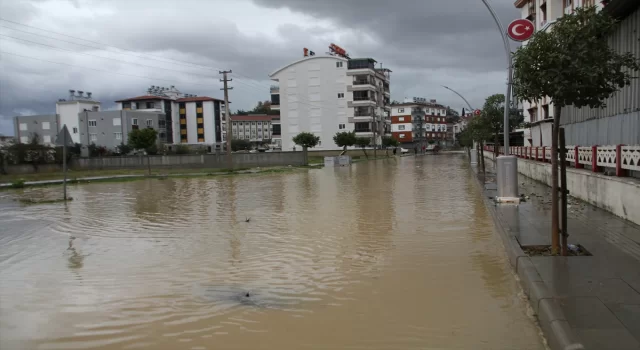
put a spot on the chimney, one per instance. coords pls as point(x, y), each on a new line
point(80, 92)
point(433, 101)
point(71, 94)
point(89, 94)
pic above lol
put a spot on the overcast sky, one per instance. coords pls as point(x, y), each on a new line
point(426, 43)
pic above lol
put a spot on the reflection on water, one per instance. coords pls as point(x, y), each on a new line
point(387, 254)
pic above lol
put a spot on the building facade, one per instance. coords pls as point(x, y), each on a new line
point(111, 128)
point(45, 126)
point(189, 119)
point(325, 95)
point(543, 13)
point(255, 128)
point(418, 122)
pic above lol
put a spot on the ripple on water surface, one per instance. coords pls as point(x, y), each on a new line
point(389, 254)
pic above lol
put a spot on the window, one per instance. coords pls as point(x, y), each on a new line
point(75, 130)
point(93, 123)
point(402, 136)
point(259, 123)
point(149, 123)
point(319, 143)
point(134, 121)
point(161, 123)
point(93, 137)
point(117, 135)
point(126, 105)
point(338, 64)
point(240, 123)
point(23, 126)
point(95, 108)
point(341, 95)
point(46, 125)
point(341, 126)
point(46, 139)
point(401, 127)
point(24, 139)
point(151, 105)
point(253, 123)
point(400, 110)
point(235, 123)
point(117, 122)
point(401, 119)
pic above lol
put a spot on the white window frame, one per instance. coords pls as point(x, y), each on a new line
point(117, 122)
point(93, 123)
point(149, 123)
point(339, 64)
point(46, 126)
point(340, 94)
point(75, 130)
point(93, 137)
point(400, 110)
point(402, 136)
point(46, 138)
point(117, 135)
point(24, 139)
point(134, 121)
point(23, 127)
point(401, 127)
point(401, 119)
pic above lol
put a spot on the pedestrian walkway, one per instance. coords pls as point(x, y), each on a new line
point(598, 297)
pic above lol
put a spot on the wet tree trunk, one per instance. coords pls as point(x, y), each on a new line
point(555, 235)
point(563, 189)
point(484, 171)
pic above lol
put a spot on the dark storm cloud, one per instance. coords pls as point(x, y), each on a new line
point(426, 43)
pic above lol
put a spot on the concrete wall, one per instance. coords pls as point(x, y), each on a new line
point(246, 160)
point(619, 195)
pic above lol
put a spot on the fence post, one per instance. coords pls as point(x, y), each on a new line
point(544, 153)
point(576, 161)
point(594, 159)
point(536, 153)
point(619, 171)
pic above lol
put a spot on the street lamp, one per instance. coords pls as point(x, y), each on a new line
point(507, 165)
point(457, 93)
point(474, 154)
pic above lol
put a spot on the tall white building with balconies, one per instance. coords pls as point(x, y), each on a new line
point(329, 94)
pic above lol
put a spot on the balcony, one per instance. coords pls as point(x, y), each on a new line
point(362, 101)
point(362, 85)
point(275, 89)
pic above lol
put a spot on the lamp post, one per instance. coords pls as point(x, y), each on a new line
point(473, 153)
point(507, 165)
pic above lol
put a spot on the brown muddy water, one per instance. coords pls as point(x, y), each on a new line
point(392, 254)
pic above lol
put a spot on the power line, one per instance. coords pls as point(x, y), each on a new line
point(106, 58)
point(133, 53)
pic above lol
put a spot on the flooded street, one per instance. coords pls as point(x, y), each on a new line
point(392, 254)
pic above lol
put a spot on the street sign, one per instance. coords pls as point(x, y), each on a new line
point(64, 137)
point(520, 29)
point(477, 112)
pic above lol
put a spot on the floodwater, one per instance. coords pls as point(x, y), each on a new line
point(392, 254)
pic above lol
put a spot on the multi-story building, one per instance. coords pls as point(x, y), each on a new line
point(418, 121)
point(329, 94)
point(45, 127)
point(255, 128)
point(189, 119)
point(111, 128)
point(68, 110)
point(585, 126)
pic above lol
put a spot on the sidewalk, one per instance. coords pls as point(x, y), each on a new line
point(588, 300)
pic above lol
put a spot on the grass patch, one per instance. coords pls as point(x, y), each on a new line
point(17, 184)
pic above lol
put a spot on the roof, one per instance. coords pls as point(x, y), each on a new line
point(338, 58)
point(145, 97)
point(406, 104)
point(198, 98)
point(621, 8)
point(254, 117)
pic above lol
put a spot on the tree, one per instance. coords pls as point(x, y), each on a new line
point(453, 116)
point(144, 139)
point(395, 102)
point(389, 141)
point(263, 108)
point(480, 130)
point(572, 64)
point(345, 139)
point(124, 149)
point(363, 142)
point(237, 145)
point(493, 114)
point(306, 140)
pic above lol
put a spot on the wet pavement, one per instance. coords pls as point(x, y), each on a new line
point(599, 295)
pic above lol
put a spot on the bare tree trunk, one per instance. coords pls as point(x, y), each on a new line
point(149, 162)
point(496, 146)
point(563, 188)
point(555, 235)
point(365, 152)
point(484, 171)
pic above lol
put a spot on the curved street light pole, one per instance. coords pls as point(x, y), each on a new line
point(507, 173)
point(507, 96)
point(457, 93)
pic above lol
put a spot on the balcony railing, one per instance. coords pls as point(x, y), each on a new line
point(364, 98)
point(363, 130)
point(363, 82)
point(362, 113)
point(275, 89)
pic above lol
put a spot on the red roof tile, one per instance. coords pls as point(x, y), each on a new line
point(145, 97)
point(198, 98)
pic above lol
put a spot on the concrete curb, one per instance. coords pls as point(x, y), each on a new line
point(559, 334)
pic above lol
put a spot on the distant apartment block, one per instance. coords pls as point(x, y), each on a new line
point(419, 121)
point(111, 128)
point(44, 126)
point(256, 128)
point(329, 94)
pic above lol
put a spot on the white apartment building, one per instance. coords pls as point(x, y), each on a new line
point(329, 94)
point(68, 110)
point(256, 128)
point(543, 13)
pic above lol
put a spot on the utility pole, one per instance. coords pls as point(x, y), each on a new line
point(227, 115)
